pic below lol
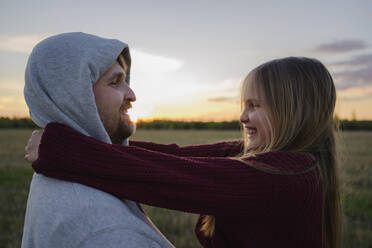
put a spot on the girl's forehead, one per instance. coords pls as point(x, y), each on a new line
point(250, 90)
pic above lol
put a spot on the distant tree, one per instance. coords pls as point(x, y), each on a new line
point(353, 115)
point(6, 122)
point(336, 118)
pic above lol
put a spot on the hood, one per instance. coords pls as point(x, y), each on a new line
point(59, 78)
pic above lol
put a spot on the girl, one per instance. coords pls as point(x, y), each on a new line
point(282, 189)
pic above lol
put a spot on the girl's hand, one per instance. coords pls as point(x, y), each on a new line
point(32, 147)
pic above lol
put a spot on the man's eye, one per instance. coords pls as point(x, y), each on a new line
point(114, 83)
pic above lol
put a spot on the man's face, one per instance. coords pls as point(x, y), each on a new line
point(113, 99)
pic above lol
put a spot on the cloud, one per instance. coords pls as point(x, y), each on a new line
point(355, 72)
point(225, 91)
point(223, 99)
point(348, 79)
point(19, 43)
point(341, 46)
point(159, 79)
point(355, 94)
point(153, 64)
point(356, 61)
point(143, 62)
point(13, 106)
point(11, 86)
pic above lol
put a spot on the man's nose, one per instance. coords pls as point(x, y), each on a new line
point(130, 95)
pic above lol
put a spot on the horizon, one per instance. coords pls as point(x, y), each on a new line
point(189, 58)
point(183, 120)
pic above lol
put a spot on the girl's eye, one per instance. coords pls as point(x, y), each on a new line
point(251, 105)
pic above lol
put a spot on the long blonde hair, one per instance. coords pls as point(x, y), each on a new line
point(300, 98)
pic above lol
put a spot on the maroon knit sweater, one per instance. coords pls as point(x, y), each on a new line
point(253, 208)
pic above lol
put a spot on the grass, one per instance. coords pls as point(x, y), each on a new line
point(356, 175)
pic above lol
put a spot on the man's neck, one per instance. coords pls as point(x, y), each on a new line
point(118, 141)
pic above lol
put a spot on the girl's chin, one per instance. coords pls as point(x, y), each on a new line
point(253, 145)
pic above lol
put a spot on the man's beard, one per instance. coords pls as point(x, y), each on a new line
point(123, 130)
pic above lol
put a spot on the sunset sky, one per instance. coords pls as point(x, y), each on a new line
point(189, 57)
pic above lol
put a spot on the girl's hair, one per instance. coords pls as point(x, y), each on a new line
point(299, 100)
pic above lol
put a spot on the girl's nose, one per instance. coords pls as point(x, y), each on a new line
point(244, 117)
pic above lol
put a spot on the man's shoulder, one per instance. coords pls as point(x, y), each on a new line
point(59, 212)
point(67, 198)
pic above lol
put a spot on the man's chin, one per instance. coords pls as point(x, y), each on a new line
point(124, 131)
point(128, 125)
point(133, 128)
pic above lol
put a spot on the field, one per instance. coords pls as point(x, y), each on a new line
point(355, 147)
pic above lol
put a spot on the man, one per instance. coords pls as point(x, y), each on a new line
point(82, 81)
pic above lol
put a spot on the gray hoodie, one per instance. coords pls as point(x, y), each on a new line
point(60, 73)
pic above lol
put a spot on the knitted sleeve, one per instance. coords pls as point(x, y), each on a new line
point(220, 149)
point(204, 185)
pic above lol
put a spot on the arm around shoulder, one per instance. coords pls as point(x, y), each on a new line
point(219, 149)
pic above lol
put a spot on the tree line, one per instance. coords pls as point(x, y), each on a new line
point(27, 123)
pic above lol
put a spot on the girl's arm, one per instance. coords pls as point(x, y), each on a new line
point(220, 149)
point(213, 185)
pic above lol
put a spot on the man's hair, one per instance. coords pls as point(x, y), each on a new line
point(124, 60)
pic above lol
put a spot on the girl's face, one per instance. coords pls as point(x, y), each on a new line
point(254, 119)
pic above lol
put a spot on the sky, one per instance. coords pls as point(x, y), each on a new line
point(190, 57)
